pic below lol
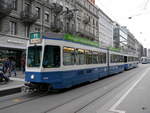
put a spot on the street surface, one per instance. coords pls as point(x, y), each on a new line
point(127, 92)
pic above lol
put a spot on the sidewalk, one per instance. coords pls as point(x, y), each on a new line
point(13, 86)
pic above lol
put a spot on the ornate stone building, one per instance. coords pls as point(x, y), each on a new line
point(20, 17)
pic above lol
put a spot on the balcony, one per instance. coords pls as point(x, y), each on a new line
point(5, 8)
point(86, 34)
point(86, 20)
point(56, 8)
point(28, 17)
point(56, 27)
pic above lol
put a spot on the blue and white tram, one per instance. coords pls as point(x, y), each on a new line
point(131, 61)
point(59, 64)
point(145, 60)
point(62, 64)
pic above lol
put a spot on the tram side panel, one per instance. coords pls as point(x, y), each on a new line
point(116, 63)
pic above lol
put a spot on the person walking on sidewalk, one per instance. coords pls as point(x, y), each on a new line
point(5, 65)
point(13, 67)
point(23, 64)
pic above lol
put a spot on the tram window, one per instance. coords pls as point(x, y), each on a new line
point(34, 56)
point(95, 57)
point(88, 55)
point(51, 56)
point(112, 58)
point(130, 59)
point(121, 58)
point(115, 58)
point(102, 58)
point(125, 59)
point(68, 56)
point(80, 56)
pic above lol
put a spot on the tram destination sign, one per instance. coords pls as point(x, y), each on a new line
point(35, 38)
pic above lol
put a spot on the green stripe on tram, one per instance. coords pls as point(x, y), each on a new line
point(80, 40)
point(114, 49)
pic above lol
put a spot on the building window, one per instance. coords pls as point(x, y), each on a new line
point(38, 12)
point(14, 4)
point(37, 29)
point(27, 31)
point(13, 28)
point(27, 7)
point(46, 16)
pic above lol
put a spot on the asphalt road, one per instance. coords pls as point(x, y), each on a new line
point(127, 92)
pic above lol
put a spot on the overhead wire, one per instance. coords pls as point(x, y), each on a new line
point(146, 4)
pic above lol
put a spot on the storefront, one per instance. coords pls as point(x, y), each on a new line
point(12, 47)
point(16, 54)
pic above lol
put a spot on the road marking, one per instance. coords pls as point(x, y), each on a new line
point(113, 108)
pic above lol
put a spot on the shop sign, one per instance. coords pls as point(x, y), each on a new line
point(35, 38)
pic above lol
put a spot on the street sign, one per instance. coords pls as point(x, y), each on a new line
point(35, 38)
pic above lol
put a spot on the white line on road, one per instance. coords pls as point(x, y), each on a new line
point(113, 108)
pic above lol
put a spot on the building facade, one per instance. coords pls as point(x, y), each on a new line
point(92, 1)
point(87, 20)
point(105, 30)
point(148, 53)
point(145, 52)
point(120, 38)
point(20, 17)
point(131, 43)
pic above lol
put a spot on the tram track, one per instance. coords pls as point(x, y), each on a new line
point(22, 98)
point(77, 97)
point(77, 111)
point(69, 101)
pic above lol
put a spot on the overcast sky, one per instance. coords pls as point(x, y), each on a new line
point(139, 10)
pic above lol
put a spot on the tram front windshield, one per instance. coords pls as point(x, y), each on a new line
point(51, 56)
point(34, 56)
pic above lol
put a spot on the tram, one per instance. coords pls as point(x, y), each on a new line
point(145, 60)
point(55, 63)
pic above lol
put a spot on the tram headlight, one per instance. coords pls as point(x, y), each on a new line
point(32, 77)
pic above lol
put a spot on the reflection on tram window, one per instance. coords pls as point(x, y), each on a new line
point(80, 57)
point(88, 55)
point(68, 56)
point(102, 58)
point(95, 57)
point(117, 58)
point(131, 59)
point(51, 57)
point(34, 56)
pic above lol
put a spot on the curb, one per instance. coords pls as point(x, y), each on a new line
point(10, 90)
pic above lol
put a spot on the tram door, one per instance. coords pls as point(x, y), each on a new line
point(125, 59)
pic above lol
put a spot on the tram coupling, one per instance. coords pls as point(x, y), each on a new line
point(29, 88)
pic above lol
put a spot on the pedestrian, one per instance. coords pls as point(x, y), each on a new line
point(13, 67)
point(23, 64)
point(9, 67)
point(5, 65)
point(3, 77)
